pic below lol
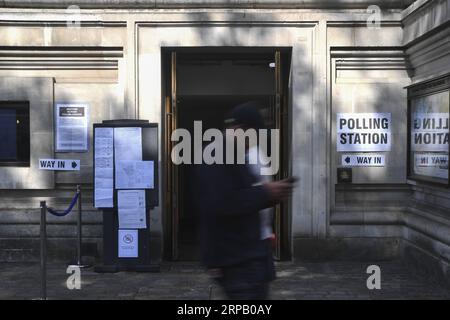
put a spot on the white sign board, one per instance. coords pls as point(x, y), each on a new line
point(128, 243)
point(131, 208)
point(363, 160)
point(429, 132)
point(59, 164)
point(104, 168)
point(71, 127)
point(363, 132)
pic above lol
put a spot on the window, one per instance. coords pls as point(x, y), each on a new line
point(428, 124)
point(15, 134)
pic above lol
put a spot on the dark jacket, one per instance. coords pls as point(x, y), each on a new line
point(228, 206)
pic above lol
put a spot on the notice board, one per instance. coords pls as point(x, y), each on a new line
point(126, 188)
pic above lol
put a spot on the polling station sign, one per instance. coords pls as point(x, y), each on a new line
point(430, 132)
point(363, 132)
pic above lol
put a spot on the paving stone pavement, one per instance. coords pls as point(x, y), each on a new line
point(188, 281)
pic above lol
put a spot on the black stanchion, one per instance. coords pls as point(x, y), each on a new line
point(79, 228)
point(43, 236)
point(146, 259)
point(79, 232)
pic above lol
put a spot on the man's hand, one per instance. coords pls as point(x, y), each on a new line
point(280, 190)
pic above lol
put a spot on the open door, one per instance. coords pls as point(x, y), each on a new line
point(281, 117)
point(171, 120)
point(277, 116)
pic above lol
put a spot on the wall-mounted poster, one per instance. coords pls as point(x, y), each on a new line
point(71, 120)
point(363, 132)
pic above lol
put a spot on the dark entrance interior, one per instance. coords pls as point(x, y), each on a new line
point(203, 84)
point(211, 110)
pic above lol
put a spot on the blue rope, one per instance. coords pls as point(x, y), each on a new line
point(65, 212)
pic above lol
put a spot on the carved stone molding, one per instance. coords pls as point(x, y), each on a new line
point(162, 4)
point(63, 58)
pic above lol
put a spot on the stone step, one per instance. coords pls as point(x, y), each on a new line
point(58, 249)
point(53, 230)
point(24, 216)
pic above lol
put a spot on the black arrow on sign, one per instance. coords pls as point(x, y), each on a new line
point(74, 164)
point(347, 159)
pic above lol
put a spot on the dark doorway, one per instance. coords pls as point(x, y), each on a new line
point(211, 110)
point(203, 84)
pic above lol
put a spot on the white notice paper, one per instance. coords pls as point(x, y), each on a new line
point(131, 205)
point(104, 169)
point(127, 147)
point(128, 144)
point(103, 197)
point(134, 174)
point(128, 243)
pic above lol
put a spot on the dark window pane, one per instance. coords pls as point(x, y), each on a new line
point(8, 134)
point(14, 134)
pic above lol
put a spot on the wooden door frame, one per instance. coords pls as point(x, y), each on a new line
point(170, 183)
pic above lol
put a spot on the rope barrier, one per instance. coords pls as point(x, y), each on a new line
point(65, 212)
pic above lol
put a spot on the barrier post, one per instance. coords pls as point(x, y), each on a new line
point(79, 262)
point(43, 236)
point(79, 241)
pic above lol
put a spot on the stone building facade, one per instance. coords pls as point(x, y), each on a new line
point(138, 59)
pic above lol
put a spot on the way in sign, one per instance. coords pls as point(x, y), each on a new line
point(363, 160)
point(368, 160)
point(59, 164)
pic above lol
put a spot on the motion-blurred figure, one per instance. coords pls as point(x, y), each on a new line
point(229, 200)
